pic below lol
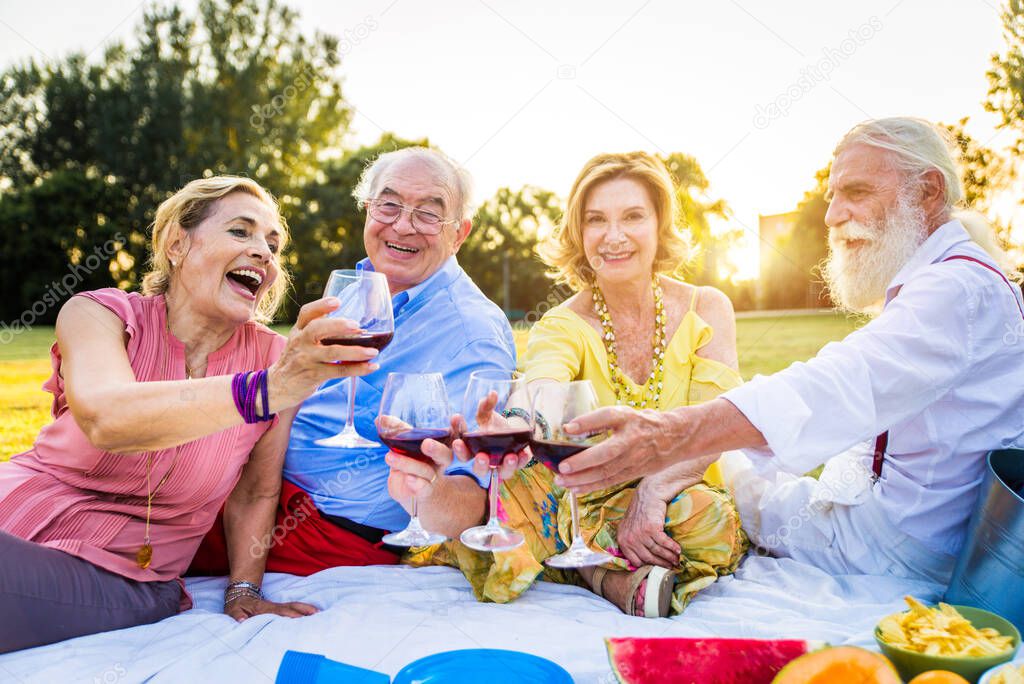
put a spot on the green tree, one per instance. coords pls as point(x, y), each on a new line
point(791, 278)
point(501, 248)
point(53, 256)
point(984, 171)
point(695, 210)
point(235, 89)
point(1006, 77)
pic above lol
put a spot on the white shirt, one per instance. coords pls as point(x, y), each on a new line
point(941, 368)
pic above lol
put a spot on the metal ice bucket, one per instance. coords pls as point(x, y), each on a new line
point(990, 571)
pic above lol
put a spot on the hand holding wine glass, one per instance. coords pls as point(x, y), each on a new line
point(487, 416)
point(554, 405)
point(414, 409)
point(305, 363)
point(486, 433)
point(365, 299)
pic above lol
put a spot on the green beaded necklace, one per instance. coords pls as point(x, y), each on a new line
point(648, 395)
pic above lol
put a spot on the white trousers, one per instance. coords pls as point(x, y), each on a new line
point(834, 522)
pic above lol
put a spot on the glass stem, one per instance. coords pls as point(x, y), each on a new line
point(350, 423)
point(492, 496)
point(576, 536)
point(414, 521)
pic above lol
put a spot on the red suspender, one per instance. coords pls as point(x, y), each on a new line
point(882, 441)
point(994, 270)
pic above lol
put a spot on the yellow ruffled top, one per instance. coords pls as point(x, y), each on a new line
point(563, 346)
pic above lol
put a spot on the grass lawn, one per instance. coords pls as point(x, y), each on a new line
point(766, 344)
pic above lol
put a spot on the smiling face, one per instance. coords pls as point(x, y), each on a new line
point(404, 256)
point(620, 231)
point(876, 223)
point(227, 263)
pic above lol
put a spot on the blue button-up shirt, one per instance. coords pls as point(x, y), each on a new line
point(446, 325)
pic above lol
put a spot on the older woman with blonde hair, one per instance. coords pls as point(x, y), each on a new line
point(644, 339)
point(166, 404)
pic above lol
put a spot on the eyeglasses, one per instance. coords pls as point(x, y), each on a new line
point(423, 221)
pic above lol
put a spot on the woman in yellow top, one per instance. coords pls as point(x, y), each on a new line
point(644, 339)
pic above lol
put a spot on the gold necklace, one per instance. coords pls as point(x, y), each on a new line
point(144, 556)
point(649, 393)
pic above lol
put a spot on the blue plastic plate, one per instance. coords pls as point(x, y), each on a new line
point(475, 665)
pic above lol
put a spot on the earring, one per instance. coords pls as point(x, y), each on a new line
point(174, 264)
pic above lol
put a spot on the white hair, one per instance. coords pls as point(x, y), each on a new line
point(449, 174)
point(917, 147)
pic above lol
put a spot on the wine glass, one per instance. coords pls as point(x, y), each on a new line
point(366, 299)
point(503, 430)
point(414, 407)
point(555, 404)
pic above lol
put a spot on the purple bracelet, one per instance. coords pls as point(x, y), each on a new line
point(250, 401)
point(244, 389)
point(265, 394)
point(238, 391)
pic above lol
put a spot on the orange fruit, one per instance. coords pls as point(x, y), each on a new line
point(938, 677)
point(838, 664)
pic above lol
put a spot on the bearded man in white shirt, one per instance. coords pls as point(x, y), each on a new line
point(912, 401)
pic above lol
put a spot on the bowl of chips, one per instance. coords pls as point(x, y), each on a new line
point(960, 639)
point(1009, 673)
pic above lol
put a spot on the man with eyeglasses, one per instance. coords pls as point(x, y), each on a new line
point(336, 504)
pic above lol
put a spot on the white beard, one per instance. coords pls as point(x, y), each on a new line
point(858, 277)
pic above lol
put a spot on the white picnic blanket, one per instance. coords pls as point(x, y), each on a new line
point(384, 617)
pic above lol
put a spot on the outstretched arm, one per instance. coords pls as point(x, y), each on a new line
point(692, 436)
point(117, 413)
point(249, 515)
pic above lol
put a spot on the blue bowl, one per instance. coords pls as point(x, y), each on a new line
point(471, 666)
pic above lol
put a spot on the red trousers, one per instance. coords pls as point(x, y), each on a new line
point(301, 542)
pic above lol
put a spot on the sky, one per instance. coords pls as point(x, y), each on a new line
point(524, 92)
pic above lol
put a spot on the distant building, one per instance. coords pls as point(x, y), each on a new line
point(788, 279)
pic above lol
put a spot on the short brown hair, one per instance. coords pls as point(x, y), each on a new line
point(563, 251)
point(188, 208)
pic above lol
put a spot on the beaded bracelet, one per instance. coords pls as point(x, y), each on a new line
point(521, 413)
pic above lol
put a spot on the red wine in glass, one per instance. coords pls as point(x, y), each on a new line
point(553, 406)
point(493, 396)
point(551, 453)
point(414, 407)
point(365, 300)
point(410, 442)
point(497, 444)
point(377, 340)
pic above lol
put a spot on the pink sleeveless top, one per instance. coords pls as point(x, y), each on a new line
point(66, 494)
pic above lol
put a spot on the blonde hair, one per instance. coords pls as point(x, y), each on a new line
point(563, 250)
point(189, 207)
point(918, 146)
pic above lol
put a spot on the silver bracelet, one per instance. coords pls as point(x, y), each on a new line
point(239, 593)
point(236, 590)
point(243, 585)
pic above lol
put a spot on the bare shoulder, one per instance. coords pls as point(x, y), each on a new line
point(83, 316)
point(712, 303)
point(715, 308)
point(91, 337)
point(677, 294)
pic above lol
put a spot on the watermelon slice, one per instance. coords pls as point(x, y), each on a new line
point(703, 661)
